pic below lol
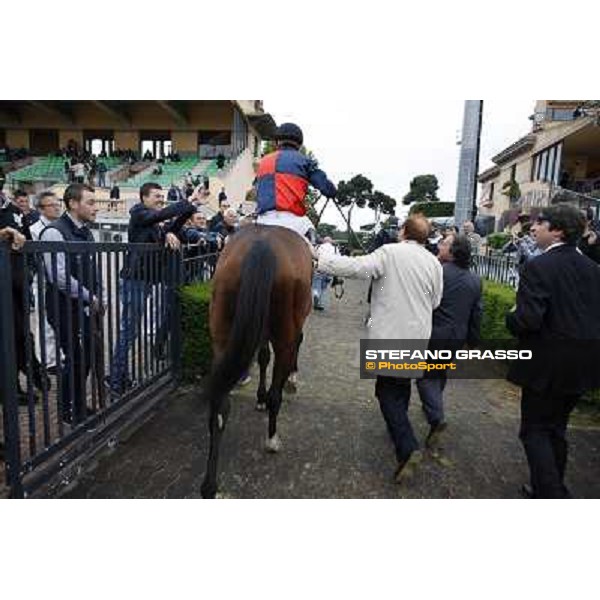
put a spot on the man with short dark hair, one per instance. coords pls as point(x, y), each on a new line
point(408, 287)
point(23, 215)
point(455, 321)
point(557, 317)
point(73, 297)
point(13, 217)
point(589, 243)
point(148, 224)
point(217, 220)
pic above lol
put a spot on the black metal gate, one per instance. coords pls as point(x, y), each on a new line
point(90, 336)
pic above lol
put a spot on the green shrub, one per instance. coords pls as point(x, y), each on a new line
point(196, 344)
point(498, 299)
point(498, 240)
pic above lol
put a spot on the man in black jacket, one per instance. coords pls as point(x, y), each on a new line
point(12, 216)
point(74, 298)
point(589, 244)
point(557, 317)
point(455, 321)
point(148, 224)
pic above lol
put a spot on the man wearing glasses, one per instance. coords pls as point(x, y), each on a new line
point(557, 317)
point(49, 208)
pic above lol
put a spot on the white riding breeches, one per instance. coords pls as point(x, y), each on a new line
point(300, 225)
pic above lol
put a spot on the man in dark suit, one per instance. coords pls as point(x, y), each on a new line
point(139, 279)
point(557, 317)
point(455, 321)
point(13, 217)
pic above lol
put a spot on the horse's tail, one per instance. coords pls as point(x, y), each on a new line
point(250, 323)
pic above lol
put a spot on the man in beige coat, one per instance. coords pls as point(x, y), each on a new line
point(408, 286)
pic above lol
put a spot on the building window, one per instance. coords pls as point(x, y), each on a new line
point(550, 167)
point(560, 114)
point(546, 164)
point(513, 172)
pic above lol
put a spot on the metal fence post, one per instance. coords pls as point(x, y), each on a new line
point(177, 280)
point(8, 376)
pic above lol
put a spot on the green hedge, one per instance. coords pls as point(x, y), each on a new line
point(498, 240)
point(197, 352)
point(498, 299)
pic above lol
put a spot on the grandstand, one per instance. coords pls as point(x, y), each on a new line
point(49, 169)
point(196, 130)
point(173, 172)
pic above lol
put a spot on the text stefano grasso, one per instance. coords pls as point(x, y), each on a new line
point(448, 354)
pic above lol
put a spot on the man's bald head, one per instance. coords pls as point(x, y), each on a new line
point(416, 228)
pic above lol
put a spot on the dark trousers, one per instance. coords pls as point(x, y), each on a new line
point(393, 394)
point(75, 343)
point(431, 390)
point(544, 419)
point(23, 335)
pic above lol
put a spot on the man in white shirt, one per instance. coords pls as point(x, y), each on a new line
point(49, 208)
point(408, 286)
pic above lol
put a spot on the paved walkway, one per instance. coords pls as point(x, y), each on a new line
point(335, 441)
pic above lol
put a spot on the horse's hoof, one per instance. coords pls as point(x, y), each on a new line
point(291, 383)
point(261, 406)
point(273, 444)
point(290, 387)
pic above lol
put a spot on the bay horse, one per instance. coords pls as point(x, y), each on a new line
point(261, 295)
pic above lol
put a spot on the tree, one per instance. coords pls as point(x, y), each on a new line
point(433, 209)
point(356, 192)
point(381, 204)
point(512, 190)
point(269, 146)
point(311, 199)
point(326, 229)
point(423, 188)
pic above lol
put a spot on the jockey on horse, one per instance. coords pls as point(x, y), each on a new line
point(282, 182)
point(261, 292)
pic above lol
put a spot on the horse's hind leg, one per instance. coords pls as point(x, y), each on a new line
point(291, 385)
point(264, 356)
point(284, 360)
point(219, 411)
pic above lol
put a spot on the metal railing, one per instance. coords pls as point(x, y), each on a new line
point(501, 268)
point(90, 335)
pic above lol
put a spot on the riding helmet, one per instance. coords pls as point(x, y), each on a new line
point(291, 132)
